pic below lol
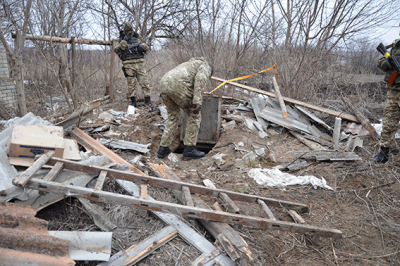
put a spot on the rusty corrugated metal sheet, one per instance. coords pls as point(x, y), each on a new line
point(24, 239)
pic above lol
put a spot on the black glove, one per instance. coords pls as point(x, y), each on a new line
point(195, 109)
point(140, 48)
point(135, 34)
point(127, 37)
point(121, 35)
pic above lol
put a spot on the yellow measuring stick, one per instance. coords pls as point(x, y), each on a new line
point(245, 77)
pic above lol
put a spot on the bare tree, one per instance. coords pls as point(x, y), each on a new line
point(19, 22)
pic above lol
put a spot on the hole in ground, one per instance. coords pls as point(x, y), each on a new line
point(204, 147)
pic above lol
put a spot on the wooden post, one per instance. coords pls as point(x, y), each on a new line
point(279, 96)
point(73, 60)
point(112, 88)
point(336, 133)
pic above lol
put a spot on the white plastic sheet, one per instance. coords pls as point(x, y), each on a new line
point(275, 178)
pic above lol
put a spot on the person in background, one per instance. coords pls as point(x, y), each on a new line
point(182, 88)
point(391, 112)
point(131, 48)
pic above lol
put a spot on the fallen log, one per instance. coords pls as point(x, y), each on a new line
point(363, 120)
point(289, 100)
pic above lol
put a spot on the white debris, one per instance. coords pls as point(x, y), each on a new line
point(249, 123)
point(275, 178)
point(262, 134)
point(241, 144)
point(106, 117)
point(131, 110)
point(260, 151)
point(378, 129)
point(116, 113)
point(229, 125)
point(218, 158)
point(163, 112)
point(173, 158)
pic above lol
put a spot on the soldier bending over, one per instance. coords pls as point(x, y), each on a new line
point(183, 88)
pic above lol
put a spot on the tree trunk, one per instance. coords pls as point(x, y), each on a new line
point(19, 76)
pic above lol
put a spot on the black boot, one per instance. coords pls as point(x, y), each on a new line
point(163, 151)
point(382, 157)
point(148, 101)
point(190, 152)
point(133, 99)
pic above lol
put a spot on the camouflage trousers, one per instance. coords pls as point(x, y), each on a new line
point(391, 117)
point(137, 74)
point(174, 102)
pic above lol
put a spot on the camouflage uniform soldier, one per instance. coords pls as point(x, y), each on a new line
point(391, 112)
point(131, 49)
point(183, 88)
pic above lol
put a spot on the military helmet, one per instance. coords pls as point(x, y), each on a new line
point(128, 27)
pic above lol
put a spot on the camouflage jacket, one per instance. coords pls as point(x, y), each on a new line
point(383, 63)
point(191, 76)
point(125, 54)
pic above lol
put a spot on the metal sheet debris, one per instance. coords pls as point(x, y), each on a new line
point(125, 145)
point(328, 155)
point(87, 246)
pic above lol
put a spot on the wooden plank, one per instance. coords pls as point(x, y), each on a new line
point(267, 210)
point(135, 253)
point(187, 198)
point(54, 172)
point(79, 114)
point(225, 198)
point(176, 185)
point(214, 228)
point(87, 141)
point(296, 217)
point(25, 176)
point(336, 133)
point(289, 100)
point(360, 117)
point(100, 181)
point(143, 191)
point(229, 248)
point(186, 232)
point(279, 96)
point(191, 212)
point(312, 145)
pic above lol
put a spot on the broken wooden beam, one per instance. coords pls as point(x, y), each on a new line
point(87, 141)
point(296, 217)
point(267, 210)
point(215, 228)
point(289, 100)
point(175, 185)
point(100, 181)
point(279, 96)
point(225, 198)
point(136, 253)
point(28, 173)
point(186, 197)
point(191, 212)
point(361, 118)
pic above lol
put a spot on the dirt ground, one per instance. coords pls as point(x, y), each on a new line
point(363, 205)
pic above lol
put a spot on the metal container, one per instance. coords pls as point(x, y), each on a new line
point(210, 121)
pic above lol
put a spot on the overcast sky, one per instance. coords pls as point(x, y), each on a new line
point(389, 32)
